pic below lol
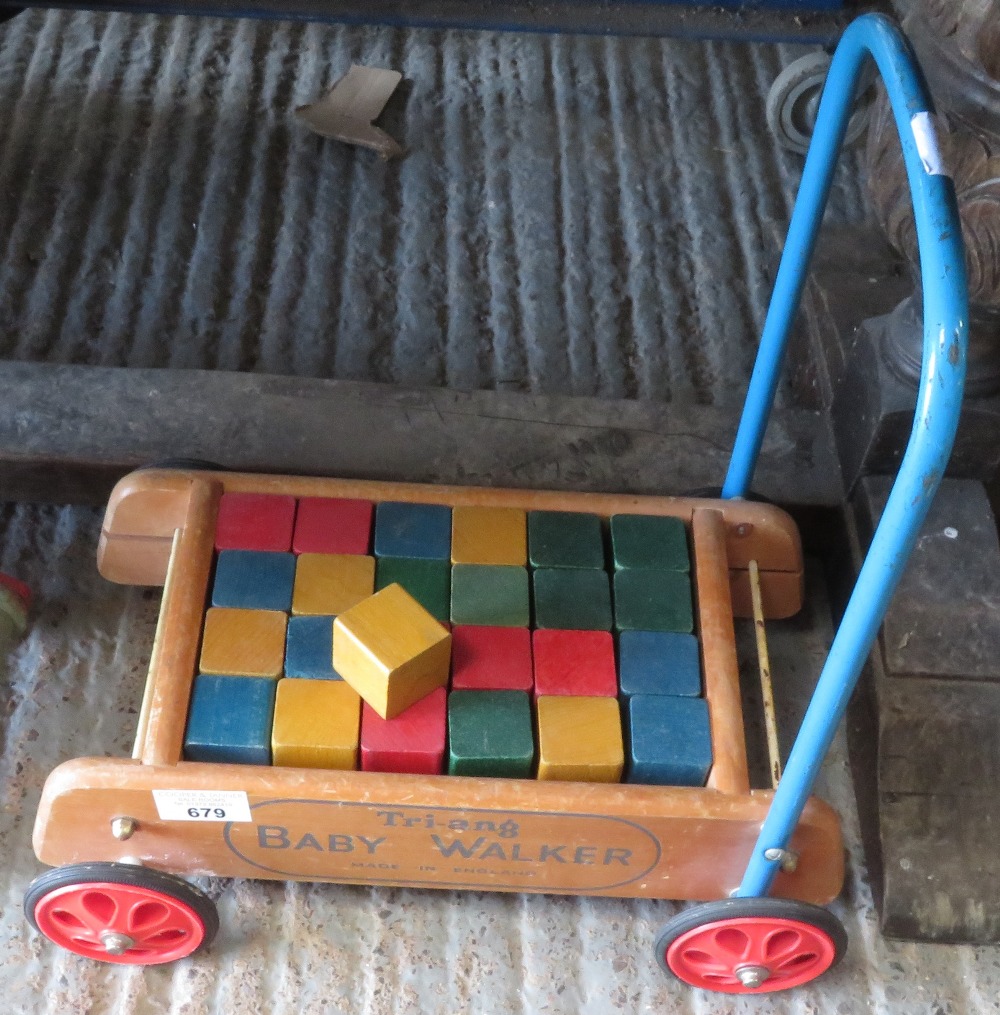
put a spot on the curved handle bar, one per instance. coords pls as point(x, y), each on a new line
point(939, 398)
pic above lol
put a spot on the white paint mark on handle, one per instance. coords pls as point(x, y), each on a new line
point(927, 145)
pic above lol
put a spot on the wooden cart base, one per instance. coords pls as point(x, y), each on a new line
point(573, 838)
point(439, 831)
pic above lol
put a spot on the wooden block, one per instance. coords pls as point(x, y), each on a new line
point(489, 535)
point(428, 581)
point(316, 724)
point(669, 740)
point(244, 643)
point(491, 659)
point(496, 596)
point(580, 739)
point(650, 541)
point(574, 662)
point(253, 580)
point(328, 584)
point(572, 598)
point(255, 521)
point(653, 601)
point(229, 720)
point(490, 734)
point(565, 539)
point(333, 525)
point(309, 648)
point(413, 742)
point(391, 651)
point(659, 662)
point(413, 530)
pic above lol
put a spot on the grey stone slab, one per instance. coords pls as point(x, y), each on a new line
point(944, 620)
point(66, 432)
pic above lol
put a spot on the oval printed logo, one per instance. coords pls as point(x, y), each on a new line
point(444, 846)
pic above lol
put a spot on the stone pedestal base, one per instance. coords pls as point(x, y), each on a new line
point(873, 408)
point(933, 777)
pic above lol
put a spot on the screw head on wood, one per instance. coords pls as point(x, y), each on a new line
point(789, 861)
point(123, 828)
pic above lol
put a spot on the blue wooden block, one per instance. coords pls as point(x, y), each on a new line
point(254, 580)
point(309, 648)
point(229, 720)
point(659, 662)
point(669, 743)
point(421, 531)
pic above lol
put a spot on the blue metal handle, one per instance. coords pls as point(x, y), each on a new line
point(939, 396)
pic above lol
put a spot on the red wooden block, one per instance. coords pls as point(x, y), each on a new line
point(333, 525)
point(255, 521)
point(575, 662)
point(491, 658)
point(413, 742)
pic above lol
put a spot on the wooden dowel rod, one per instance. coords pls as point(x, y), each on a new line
point(766, 686)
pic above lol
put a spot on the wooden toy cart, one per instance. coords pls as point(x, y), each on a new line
point(122, 835)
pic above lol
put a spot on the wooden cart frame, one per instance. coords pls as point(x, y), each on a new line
point(443, 831)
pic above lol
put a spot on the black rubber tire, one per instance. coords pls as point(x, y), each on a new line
point(124, 874)
point(727, 909)
point(793, 98)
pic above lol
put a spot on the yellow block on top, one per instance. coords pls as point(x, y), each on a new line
point(243, 643)
point(579, 739)
point(489, 535)
point(316, 724)
point(329, 583)
point(391, 651)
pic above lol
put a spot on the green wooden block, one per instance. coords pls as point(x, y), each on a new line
point(490, 733)
point(491, 595)
point(653, 601)
point(647, 541)
point(571, 598)
point(565, 539)
point(428, 581)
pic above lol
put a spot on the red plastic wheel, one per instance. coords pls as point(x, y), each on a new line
point(751, 955)
point(117, 913)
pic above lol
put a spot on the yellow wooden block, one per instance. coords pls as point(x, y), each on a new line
point(579, 739)
point(316, 724)
point(327, 584)
point(391, 651)
point(243, 643)
point(489, 535)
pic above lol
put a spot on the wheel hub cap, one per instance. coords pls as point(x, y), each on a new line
point(752, 976)
point(116, 944)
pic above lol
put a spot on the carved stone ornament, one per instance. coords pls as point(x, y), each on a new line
point(958, 45)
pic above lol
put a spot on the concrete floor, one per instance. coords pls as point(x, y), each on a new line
point(575, 215)
point(73, 690)
point(597, 216)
